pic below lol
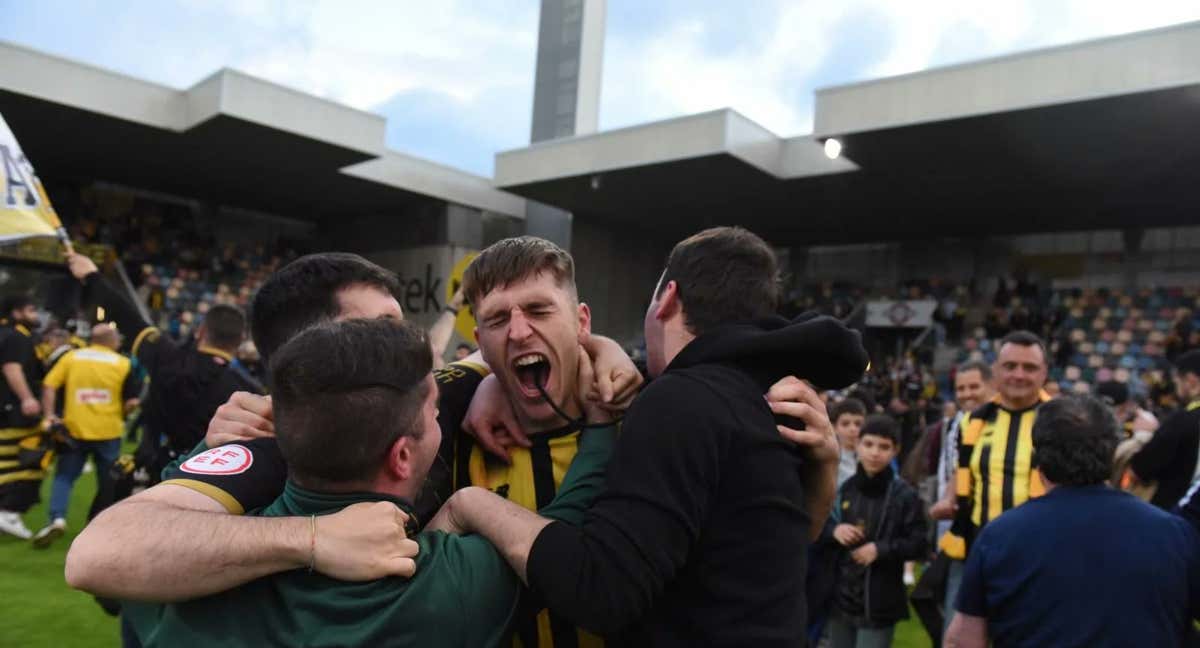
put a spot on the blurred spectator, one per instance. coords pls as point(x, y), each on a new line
point(462, 351)
point(99, 388)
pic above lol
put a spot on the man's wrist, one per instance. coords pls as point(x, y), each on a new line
point(293, 541)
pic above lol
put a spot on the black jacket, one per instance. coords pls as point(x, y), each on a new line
point(699, 536)
point(1170, 456)
point(891, 515)
point(187, 384)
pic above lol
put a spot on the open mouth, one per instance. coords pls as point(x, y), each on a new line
point(532, 371)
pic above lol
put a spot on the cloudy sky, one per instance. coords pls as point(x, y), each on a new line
point(455, 77)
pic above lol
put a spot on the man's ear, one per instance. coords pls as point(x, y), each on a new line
point(399, 464)
point(585, 322)
point(668, 302)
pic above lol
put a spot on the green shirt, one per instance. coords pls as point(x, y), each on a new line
point(463, 593)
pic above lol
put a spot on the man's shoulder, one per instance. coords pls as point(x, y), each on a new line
point(902, 490)
point(985, 413)
point(691, 392)
point(1183, 420)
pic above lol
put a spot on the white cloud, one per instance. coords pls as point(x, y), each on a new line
point(771, 80)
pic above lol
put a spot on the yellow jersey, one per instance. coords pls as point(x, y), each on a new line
point(97, 381)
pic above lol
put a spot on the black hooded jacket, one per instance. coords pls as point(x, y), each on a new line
point(699, 536)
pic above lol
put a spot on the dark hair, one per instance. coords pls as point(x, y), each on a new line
point(304, 292)
point(1025, 339)
point(1074, 437)
point(464, 345)
point(15, 302)
point(846, 406)
point(863, 396)
point(1112, 393)
point(513, 259)
point(344, 392)
point(881, 425)
point(225, 327)
point(1188, 363)
point(984, 370)
point(723, 275)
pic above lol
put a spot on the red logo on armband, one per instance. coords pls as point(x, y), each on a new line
point(225, 460)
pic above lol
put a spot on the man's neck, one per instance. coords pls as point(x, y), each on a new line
point(1019, 405)
point(571, 408)
point(675, 339)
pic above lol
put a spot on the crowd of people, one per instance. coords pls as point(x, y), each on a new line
point(545, 489)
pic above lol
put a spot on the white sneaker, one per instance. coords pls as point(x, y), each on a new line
point(49, 533)
point(12, 524)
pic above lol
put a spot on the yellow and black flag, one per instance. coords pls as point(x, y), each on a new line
point(25, 210)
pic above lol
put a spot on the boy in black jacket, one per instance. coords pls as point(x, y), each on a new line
point(880, 524)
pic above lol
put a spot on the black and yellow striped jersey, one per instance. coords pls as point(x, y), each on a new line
point(995, 470)
point(17, 431)
point(531, 480)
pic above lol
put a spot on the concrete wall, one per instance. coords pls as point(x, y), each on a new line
point(616, 269)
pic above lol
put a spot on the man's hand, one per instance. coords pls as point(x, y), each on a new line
point(1144, 421)
point(793, 397)
point(30, 407)
point(943, 509)
point(365, 542)
point(594, 410)
point(243, 417)
point(491, 421)
point(866, 554)
point(847, 534)
point(617, 380)
point(80, 265)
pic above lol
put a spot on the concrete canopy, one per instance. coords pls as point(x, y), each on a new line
point(1102, 134)
point(231, 139)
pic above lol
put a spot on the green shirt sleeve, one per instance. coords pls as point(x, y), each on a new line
point(585, 477)
point(173, 467)
point(487, 588)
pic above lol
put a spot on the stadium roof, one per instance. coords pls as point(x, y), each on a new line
point(1101, 134)
point(231, 138)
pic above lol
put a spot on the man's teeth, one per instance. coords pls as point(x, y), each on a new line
point(525, 361)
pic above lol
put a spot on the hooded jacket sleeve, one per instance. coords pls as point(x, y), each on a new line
point(144, 340)
point(604, 574)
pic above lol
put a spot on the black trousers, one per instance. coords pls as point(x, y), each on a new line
point(20, 496)
point(928, 595)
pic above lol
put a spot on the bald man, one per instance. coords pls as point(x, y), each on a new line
point(99, 387)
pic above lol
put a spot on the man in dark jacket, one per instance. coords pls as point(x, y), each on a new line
point(187, 383)
point(880, 522)
point(1171, 455)
point(698, 538)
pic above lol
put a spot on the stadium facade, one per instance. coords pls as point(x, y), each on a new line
point(1077, 163)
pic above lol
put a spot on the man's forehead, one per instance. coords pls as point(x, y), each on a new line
point(968, 377)
point(538, 286)
point(1012, 352)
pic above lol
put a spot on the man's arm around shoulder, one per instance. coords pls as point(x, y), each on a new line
point(171, 543)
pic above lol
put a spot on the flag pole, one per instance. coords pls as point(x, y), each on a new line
point(52, 217)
